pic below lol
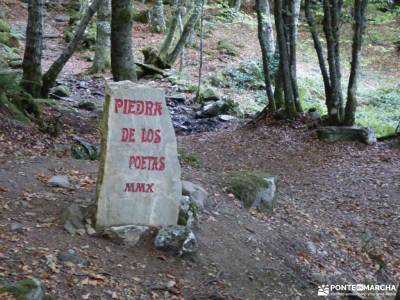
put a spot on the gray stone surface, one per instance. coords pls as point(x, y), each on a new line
point(127, 235)
point(196, 193)
point(344, 133)
point(139, 181)
point(178, 239)
point(60, 181)
point(72, 219)
point(70, 256)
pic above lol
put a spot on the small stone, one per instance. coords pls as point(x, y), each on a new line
point(60, 181)
point(227, 118)
point(71, 257)
point(16, 227)
point(90, 230)
point(127, 235)
point(196, 193)
point(178, 239)
point(311, 247)
point(73, 219)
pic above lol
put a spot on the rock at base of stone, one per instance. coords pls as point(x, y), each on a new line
point(129, 235)
point(73, 219)
point(61, 181)
point(178, 239)
point(196, 193)
point(345, 133)
point(255, 190)
point(188, 212)
point(26, 289)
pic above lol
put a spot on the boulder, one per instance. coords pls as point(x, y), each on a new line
point(208, 94)
point(178, 239)
point(255, 190)
point(213, 109)
point(60, 91)
point(126, 235)
point(61, 181)
point(196, 193)
point(73, 219)
point(346, 133)
point(26, 289)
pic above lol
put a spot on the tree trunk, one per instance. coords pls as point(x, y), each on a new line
point(235, 4)
point(293, 7)
point(51, 75)
point(200, 50)
point(266, 43)
point(32, 63)
point(318, 48)
point(102, 58)
point(187, 30)
point(284, 61)
point(122, 61)
point(171, 30)
point(157, 19)
point(333, 103)
point(360, 7)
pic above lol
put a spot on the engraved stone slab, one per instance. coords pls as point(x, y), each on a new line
point(139, 180)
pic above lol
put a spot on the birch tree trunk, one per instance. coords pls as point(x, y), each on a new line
point(360, 7)
point(52, 73)
point(122, 61)
point(187, 30)
point(265, 38)
point(32, 63)
point(157, 19)
point(171, 30)
point(102, 56)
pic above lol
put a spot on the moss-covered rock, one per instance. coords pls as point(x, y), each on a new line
point(60, 91)
point(27, 289)
point(227, 48)
point(253, 189)
point(4, 26)
point(87, 105)
point(208, 93)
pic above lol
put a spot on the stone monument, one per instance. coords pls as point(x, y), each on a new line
point(139, 181)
